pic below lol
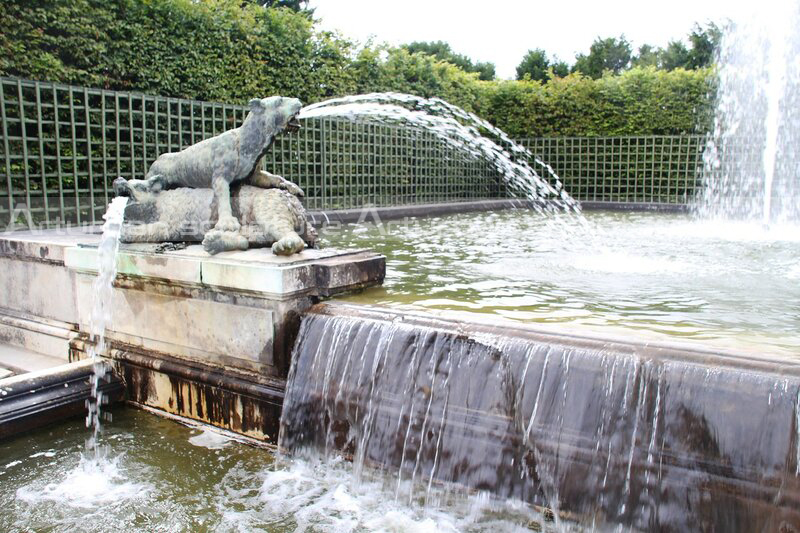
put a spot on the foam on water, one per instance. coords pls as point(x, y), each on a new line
point(48, 453)
point(320, 495)
point(160, 481)
point(95, 482)
point(733, 231)
point(210, 439)
point(623, 263)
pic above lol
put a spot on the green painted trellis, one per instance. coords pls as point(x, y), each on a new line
point(653, 169)
point(62, 147)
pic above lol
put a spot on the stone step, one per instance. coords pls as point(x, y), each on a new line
point(16, 360)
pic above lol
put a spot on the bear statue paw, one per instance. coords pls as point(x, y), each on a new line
point(291, 188)
point(215, 242)
point(288, 245)
point(227, 224)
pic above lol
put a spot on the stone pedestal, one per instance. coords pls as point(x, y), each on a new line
point(235, 310)
point(202, 337)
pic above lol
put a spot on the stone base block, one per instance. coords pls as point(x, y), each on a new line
point(233, 310)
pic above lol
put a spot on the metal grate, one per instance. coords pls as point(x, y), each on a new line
point(63, 146)
point(343, 164)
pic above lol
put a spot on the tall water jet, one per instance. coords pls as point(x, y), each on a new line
point(101, 310)
point(751, 168)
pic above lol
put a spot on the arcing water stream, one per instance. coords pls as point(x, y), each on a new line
point(464, 131)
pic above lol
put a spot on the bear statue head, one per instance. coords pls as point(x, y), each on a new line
point(277, 114)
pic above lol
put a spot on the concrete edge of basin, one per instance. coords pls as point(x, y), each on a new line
point(377, 214)
point(35, 399)
point(191, 390)
point(490, 325)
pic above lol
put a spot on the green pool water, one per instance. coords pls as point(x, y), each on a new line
point(648, 275)
point(631, 274)
point(159, 475)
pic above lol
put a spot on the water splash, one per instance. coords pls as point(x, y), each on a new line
point(101, 313)
point(93, 483)
point(313, 495)
point(464, 131)
point(752, 161)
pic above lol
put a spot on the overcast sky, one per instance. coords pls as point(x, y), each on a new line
point(502, 31)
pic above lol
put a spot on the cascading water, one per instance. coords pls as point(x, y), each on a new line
point(752, 160)
point(101, 310)
point(98, 480)
point(462, 130)
point(605, 434)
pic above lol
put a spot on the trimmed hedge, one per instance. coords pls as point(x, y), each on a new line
point(219, 50)
point(641, 101)
point(212, 50)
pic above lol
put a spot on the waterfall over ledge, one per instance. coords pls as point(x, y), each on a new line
point(602, 432)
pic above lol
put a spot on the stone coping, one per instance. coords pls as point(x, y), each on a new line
point(566, 335)
point(374, 214)
point(46, 245)
point(255, 270)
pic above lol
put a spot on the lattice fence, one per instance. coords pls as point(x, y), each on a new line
point(62, 146)
point(647, 169)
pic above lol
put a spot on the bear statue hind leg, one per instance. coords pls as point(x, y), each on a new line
point(266, 180)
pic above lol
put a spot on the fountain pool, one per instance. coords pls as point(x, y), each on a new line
point(650, 275)
point(164, 476)
point(564, 430)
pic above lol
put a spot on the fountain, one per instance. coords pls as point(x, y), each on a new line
point(463, 130)
point(550, 424)
point(602, 433)
point(752, 162)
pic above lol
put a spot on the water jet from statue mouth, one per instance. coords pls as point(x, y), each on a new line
point(293, 126)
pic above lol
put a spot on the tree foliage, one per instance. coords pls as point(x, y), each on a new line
point(612, 54)
point(537, 66)
point(442, 51)
point(615, 53)
point(704, 43)
point(699, 54)
point(231, 51)
point(294, 5)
